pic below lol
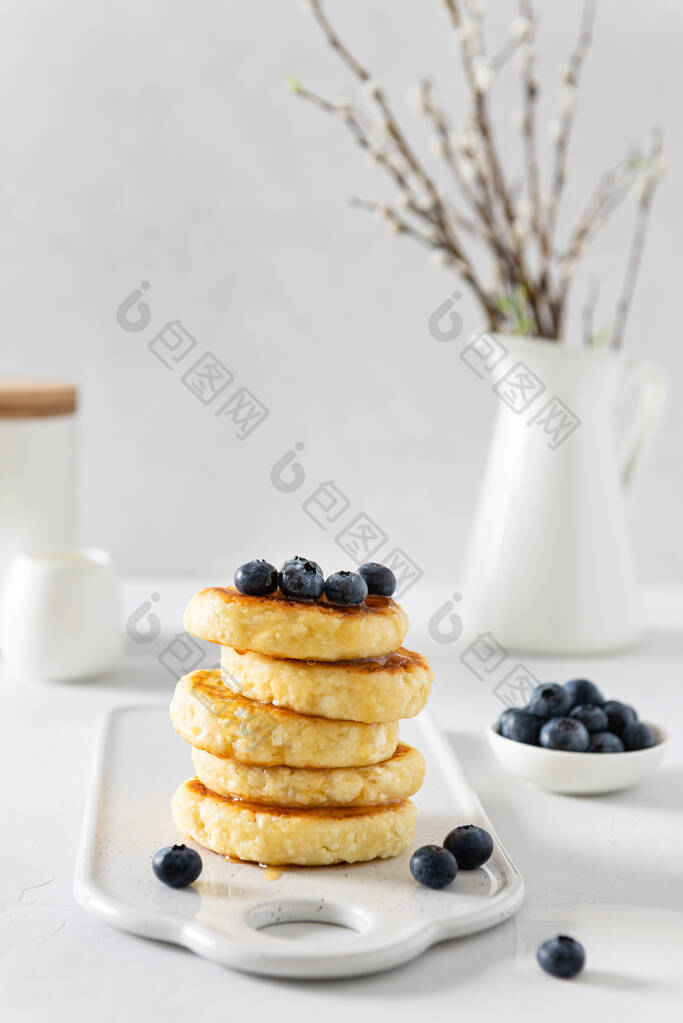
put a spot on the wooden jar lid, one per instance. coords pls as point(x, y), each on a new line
point(23, 399)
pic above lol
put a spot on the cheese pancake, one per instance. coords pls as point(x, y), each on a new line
point(276, 836)
point(394, 779)
point(211, 717)
point(281, 627)
point(373, 689)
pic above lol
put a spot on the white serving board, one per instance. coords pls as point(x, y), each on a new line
point(139, 761)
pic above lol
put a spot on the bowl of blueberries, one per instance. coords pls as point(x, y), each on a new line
point(570, 739)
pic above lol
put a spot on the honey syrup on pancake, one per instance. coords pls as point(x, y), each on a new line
point(327, 812)
point(372, 605)
point(400, 660)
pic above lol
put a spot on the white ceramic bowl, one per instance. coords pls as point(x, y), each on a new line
point(577, 773)
point(61, 614)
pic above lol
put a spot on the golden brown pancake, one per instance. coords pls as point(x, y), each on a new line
point(382, 688)
point(394, 779)
point(303, 630)
point(211, 717)
point(278, 836)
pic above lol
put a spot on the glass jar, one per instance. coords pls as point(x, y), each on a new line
point(38, 470)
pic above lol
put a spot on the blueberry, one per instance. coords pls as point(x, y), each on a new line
point(561, 956)
point(507, 716)
point(619, 715)
point(580, 690)
point(433, 866)
point(346, 588)
point(470, 845)
point(637, 736)
point(605, 742)
point(177, 866)
point(549, 701)
point(380, 579)
point(594, 718)
point(301, 579)
point(519, 725)
point(256, 578)
point(566, 734)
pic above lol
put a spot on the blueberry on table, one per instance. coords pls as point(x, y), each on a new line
point(471, 846)
point(561, 956)
point(619, 715)
point(520, 726)
point(565, 734)
point(637, 736)
point(433, 866)
point(380, 580)
point(301, 579)
point(256, 578)
point(177, 866)
point(590, 715)
point(605, 742)
point(580, 690)
point(346, 588)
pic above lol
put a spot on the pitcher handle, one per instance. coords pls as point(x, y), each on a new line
point(652, 384)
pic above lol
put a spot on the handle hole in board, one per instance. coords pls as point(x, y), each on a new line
point(308, 919)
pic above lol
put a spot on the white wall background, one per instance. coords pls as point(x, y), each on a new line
point(157, 142)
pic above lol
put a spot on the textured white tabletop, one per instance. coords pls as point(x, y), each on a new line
point(608, 870)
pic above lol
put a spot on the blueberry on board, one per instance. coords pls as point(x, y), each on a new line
point(565, 734)
point(470, 845)
point(549, 701)
point(520, 726)
point(561, 956)
point(637, 736)
point(605, 742)
point(346, 588)
point(594, 718)
point(433, 866)
point(256, 578)
point(380, 579)
point(301, 579)
point(580, 690)
point(177, 866)
point(619, 715)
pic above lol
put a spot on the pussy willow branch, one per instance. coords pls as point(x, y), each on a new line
point(559, 175)
point(588, 311)
point(360, 135)
point(530, 88)
point(481, 114)
point(452, 242)
point(429, 217)
point(391, 124)
point(485, 226)
point(608, 194)
point(572, 77)
point(506, 51)
point(498, 185)
point(433, 233)
point(394, 220)
point(635, 256)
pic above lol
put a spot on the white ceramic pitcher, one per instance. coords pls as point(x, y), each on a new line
point(549, 567)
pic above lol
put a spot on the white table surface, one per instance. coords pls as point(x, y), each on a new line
point(607, 869)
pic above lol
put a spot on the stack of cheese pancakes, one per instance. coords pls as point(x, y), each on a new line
point(295, 741)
